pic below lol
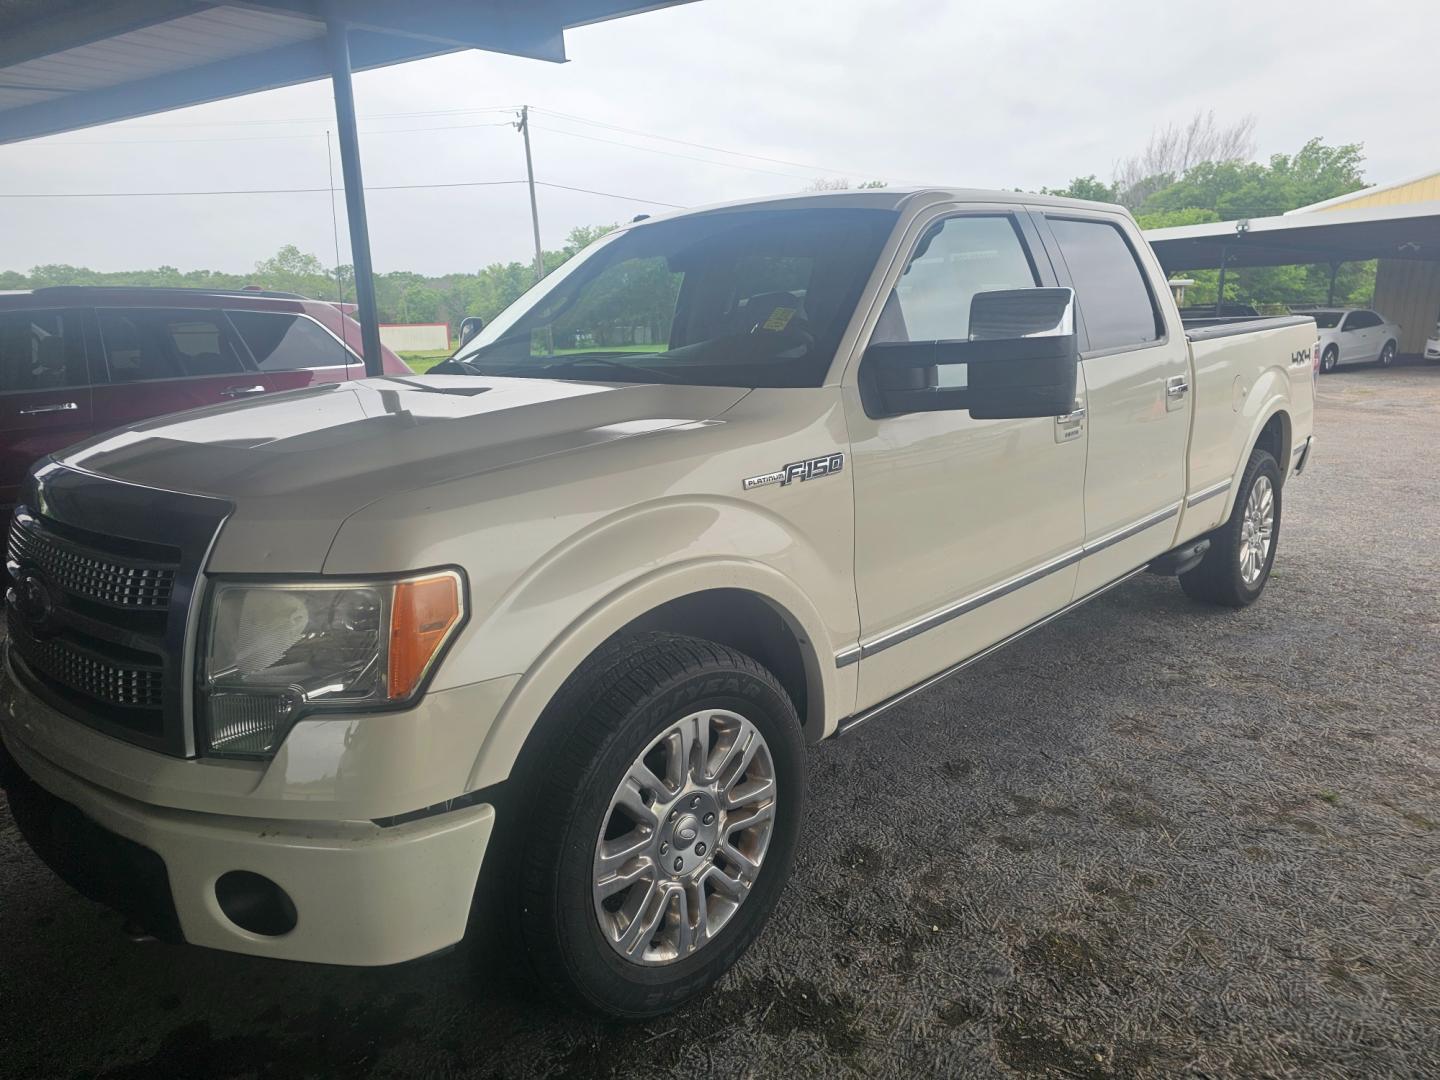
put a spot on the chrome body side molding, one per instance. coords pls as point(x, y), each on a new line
point(878, 644)
point(851, 723)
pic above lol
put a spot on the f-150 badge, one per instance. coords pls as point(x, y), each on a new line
point(810, 469)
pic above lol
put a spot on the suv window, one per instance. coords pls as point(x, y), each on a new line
point(954, 260)
point(283, 342)
point(37, 353)
point(167, 344)
point(1112, 291)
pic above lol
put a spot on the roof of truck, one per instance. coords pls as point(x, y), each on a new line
point(892, 198)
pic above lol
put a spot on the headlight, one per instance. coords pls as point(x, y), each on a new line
point(275, 652)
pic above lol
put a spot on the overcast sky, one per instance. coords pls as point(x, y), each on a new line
point(985, 93)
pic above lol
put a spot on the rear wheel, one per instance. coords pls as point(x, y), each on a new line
point(662, 825)
point(1387, 355)
point(1329, 360)
point(1235, 569)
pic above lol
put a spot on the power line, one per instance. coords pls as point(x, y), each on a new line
point(700, 146)
point(264, 138)
point(330, 119)
point(669, 153)
point(610, 195)
point(322, 190)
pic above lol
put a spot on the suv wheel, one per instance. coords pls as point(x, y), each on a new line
point(662, 825)
point(1234, 571)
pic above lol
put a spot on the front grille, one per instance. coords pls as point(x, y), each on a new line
point(104, 573)
point(82, 571)
point(89, 672)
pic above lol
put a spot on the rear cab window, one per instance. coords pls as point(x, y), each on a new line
point(1112, 290)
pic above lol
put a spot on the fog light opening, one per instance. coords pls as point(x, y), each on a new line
point(255, 903)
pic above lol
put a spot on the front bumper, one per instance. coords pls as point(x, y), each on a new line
point(363, 893)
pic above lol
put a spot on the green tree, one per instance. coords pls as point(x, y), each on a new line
point(1085, 187)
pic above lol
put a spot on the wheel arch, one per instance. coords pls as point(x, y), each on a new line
point(748, 606)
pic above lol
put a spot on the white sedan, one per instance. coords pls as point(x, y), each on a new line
point(1355, 337)
point(1432, 347)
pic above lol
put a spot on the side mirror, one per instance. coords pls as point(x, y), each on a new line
point(1020, 360)
point(469, 327)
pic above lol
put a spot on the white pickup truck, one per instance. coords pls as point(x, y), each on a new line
point(545, 635)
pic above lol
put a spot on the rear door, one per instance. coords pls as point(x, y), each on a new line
point(163, 360)
point(45, 398)
point(1135, 366)
point(291, 349)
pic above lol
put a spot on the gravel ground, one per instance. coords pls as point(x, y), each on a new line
point(1150, 839)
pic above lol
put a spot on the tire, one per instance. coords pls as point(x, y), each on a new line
point(1223, 576)
point(609, 722)
point(1387, 355)
point(1329, 360)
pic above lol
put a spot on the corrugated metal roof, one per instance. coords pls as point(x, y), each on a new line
point(1410, 233)
point(67, 64)
point(191, 40)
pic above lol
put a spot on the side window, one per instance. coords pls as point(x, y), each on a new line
point(1110, 286)
point(281, 342)
point(40, 350)
point(1362, 320)
point(629, 307)
point(955, 259)
point(167, 344)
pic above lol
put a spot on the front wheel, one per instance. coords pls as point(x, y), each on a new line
point(1237, 565)
point(662, 827)
point(1387, 354)
point(1329, 360)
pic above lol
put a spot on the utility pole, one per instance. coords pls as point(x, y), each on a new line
point(524, 125)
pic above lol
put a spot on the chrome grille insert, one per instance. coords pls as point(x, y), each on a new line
point(81, 671)
point(87, 573)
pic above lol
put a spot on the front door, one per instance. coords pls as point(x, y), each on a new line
point(966, 530)
point(44, 390)
point(1136, 370)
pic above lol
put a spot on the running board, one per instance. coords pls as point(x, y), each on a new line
point(850, 723)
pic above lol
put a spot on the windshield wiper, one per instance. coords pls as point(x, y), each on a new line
point(453, 365)
point(603, 361)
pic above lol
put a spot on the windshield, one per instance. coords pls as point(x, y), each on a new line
point(742, 298)
point(1328, 320)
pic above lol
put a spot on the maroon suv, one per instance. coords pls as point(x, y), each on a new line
point(76, 360)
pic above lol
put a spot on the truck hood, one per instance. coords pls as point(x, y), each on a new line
point(312, 457)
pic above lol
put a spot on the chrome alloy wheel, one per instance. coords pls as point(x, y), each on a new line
point(1256, 530)
point(684, 836)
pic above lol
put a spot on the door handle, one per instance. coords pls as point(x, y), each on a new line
point(1177, 386)
point(241, 391)
point(59, 406)
point(1072, 417)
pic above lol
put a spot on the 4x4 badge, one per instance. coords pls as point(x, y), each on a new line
point(809, 469)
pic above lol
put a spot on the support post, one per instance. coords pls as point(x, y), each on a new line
point(1330, 296)
point(524, 126)
point(1220, 287)
point(338, 40)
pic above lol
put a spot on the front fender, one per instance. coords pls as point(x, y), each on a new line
point(832, 693)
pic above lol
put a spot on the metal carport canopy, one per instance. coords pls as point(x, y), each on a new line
point(1335, 236)
point(68, 64)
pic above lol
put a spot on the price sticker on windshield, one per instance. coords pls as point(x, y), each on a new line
point(779, 319)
